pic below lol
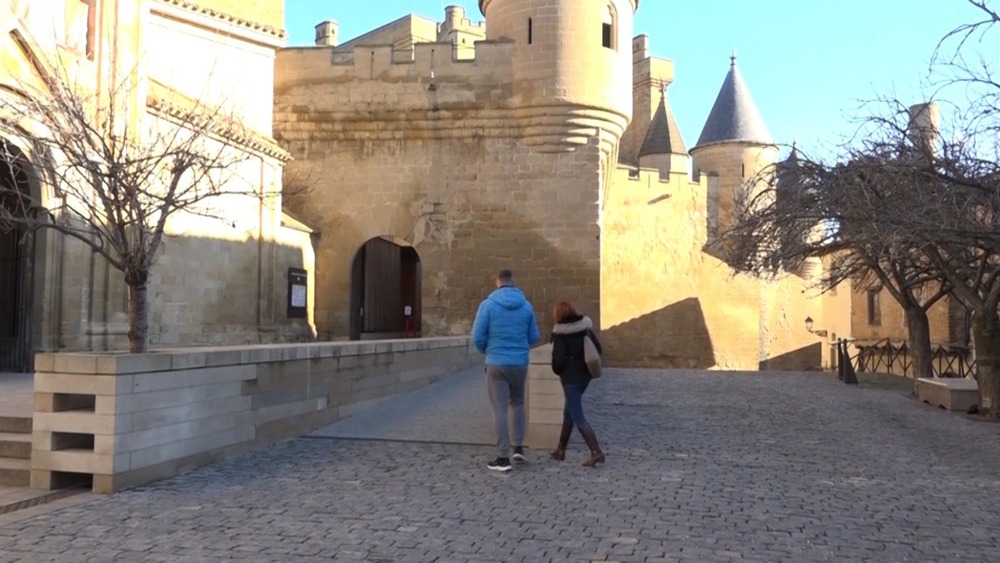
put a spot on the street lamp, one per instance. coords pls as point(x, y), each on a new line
point(809, 327)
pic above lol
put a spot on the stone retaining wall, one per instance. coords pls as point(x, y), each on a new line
point(121, 420)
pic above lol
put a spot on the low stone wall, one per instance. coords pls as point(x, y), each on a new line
point(122, 420)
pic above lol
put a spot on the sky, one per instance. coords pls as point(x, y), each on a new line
point(812, 66)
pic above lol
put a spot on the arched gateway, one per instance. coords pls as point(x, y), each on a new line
point(385, 290)
point(16, 263)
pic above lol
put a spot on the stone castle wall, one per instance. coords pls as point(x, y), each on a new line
point(438, 163)
point(666, 302)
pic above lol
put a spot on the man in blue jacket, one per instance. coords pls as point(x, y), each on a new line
point(505, 330)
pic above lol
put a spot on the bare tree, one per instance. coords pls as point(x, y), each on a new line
point(805, 209)
point(915, 213)
point(119, 169)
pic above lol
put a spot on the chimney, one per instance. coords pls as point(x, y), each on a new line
point(925, 126)
point(640, 48)
point(326, 33)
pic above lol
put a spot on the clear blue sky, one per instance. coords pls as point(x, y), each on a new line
point(810, 64)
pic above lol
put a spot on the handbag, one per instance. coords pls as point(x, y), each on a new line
point(591, 356)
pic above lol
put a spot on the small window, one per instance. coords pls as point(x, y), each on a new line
point(874, 308)
point(529, 31)
point(608, 31)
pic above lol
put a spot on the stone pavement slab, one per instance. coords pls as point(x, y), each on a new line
point(17, 393)
point(702, 466)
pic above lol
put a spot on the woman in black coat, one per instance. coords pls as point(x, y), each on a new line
point(569, 364)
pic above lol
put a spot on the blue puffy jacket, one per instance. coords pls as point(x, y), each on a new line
point(505, 328)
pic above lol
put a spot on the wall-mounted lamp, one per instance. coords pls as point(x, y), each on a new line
point(809, 327)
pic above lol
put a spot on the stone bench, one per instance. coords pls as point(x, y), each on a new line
point(957, 395)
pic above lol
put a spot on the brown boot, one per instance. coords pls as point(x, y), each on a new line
point(559, 453)
point(596, 455)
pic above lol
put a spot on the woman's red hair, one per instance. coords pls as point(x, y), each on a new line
point(563, 311)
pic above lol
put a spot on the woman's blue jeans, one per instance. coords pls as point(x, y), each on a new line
point(573, 411)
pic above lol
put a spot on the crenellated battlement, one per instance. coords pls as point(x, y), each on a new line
point(425, 62)
point(456, 22)
point(523, 78)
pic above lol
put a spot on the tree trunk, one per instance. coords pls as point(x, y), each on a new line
point(138, 317)
point(986, 336)
point(918, 340)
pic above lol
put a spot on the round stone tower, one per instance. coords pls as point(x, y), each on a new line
point(572, 66)
point(734, 148)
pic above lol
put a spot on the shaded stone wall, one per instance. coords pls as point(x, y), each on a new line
point(216, 281)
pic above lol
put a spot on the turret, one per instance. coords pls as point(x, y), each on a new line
point(652, 139)
point(460, 32)
point(663, 147)
point(327, 32)
point(572, 66)
point(733, 149)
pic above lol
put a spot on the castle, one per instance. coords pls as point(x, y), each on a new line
point(542, 140)
point(431, 155)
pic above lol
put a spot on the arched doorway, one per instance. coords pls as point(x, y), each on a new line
point(16, 253)
point(385, 290)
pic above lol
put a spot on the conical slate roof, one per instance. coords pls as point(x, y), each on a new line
point(663, 135)
point(734, 117)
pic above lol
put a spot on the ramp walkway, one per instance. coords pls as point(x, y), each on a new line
point(455, 410)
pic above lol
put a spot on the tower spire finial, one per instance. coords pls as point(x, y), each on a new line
point(732, 58)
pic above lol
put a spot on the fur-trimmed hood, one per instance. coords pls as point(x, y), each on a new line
point(573, 327)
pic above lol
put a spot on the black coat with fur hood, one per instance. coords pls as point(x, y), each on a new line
point(567, 349)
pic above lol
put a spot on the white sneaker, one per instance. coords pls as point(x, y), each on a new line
point(501, 464)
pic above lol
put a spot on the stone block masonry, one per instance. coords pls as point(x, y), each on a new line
point(122, 420)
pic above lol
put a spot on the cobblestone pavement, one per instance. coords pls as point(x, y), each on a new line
point(701, 466)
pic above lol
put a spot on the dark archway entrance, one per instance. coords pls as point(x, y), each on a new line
point(16, 261)
point(385, 285)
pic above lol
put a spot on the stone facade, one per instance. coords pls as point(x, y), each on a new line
point(216, 281)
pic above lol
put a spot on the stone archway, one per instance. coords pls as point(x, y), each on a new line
point(385, 290)
point(17, 251)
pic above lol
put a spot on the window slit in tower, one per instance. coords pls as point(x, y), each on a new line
point(608, 30)
point(529, 31)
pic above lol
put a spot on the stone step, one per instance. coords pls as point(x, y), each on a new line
point(15, 445)
point(15, 424)
point(15, 472)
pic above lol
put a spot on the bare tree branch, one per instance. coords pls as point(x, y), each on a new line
point(118, 178)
